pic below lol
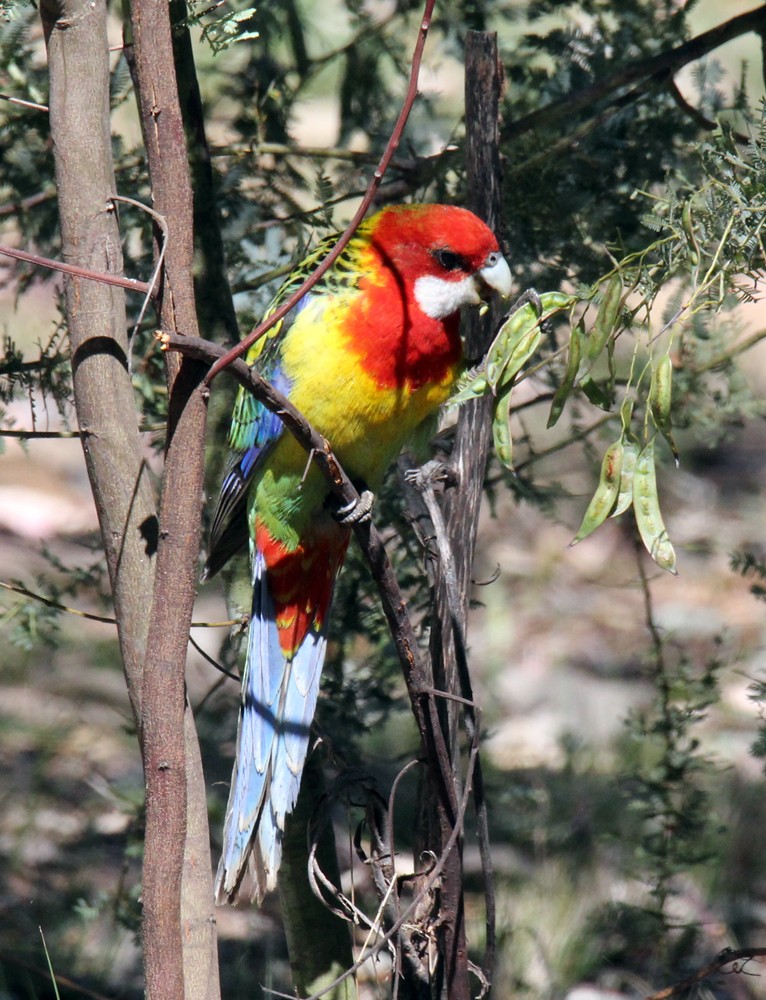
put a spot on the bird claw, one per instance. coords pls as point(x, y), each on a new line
point(428, 475)
point(356, 511)
point(529, 295)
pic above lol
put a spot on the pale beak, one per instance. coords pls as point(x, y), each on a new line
point(497, 275)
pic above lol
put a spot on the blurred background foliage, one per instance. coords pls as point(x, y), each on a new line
point(619, 706)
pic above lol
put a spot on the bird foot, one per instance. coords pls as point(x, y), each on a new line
point(433, 472)
point(356, 511)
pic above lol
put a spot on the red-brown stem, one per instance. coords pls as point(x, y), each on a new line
point(132, 284)
point(377, 177)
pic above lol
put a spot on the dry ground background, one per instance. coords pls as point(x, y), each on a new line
point(558, 651)
point(559, 654)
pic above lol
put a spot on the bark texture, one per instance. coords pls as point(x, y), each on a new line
point(179, 926)
point(461, 505)
point(75, 34)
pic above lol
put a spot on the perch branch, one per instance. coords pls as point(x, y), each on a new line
point(394, 605)
point(728, 956)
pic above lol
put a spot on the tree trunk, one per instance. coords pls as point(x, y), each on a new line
point(177, 945)
point(461, 507)
point(75, 35)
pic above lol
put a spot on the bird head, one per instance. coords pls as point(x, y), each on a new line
point(445, 256)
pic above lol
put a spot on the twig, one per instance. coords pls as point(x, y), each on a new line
point(16, 589)
point(59, 980)
point(24, 204)
point(555, 149)
point(724, 958)
point(433, 875)
point(26, 434)
point(213, 663)
point(669, 61)
point(560, 445)
point(105, 619)
point(132, 284)
point(24, 104)
point(413, 163)
point(163, 227)
point(377, 177)
point(393, 603)
point(726, 357)
point(696, 115)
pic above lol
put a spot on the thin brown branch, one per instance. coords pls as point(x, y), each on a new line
point(370, 541)
point(56, 605)
point(696, 115)
point(576, 136)
point(728, 956)
point(27, 435)
point(104, 619)
point(727, 356)
point(579, 435)
point(163, 228)
point(252, 284)
point(408, 165)
point(667, 62)
point(380, 171)
point(429, 881)
point(24, 104)
point(24, 204)
point(32, 435)
point(132, 284)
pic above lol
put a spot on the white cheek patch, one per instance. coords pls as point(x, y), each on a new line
point(439, 298)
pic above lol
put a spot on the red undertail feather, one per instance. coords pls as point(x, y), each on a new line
point(301, 582)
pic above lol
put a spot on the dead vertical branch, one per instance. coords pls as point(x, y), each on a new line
point(179, 944)
point(215, 306)
point(461, 508)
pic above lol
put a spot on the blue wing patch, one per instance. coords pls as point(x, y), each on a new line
point(254, 429)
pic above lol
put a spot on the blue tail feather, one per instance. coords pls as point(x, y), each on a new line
point(279, 697)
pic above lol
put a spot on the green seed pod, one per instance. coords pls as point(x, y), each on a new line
point(521, 353)
point(515, 328)
point(625, 493)
point(606, 492)
point(661, 391)
point(501, 429)
point(606, 318)
point(660, 399)
point(568, 381)
point(646, 504)
point(553, 302)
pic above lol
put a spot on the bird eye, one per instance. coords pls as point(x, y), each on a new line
point(449, 261)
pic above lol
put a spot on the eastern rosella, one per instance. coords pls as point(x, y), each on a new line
point(369, 354)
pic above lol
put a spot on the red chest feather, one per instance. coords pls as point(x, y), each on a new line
point(396, 343)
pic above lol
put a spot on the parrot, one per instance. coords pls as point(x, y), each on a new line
point(368, 355)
